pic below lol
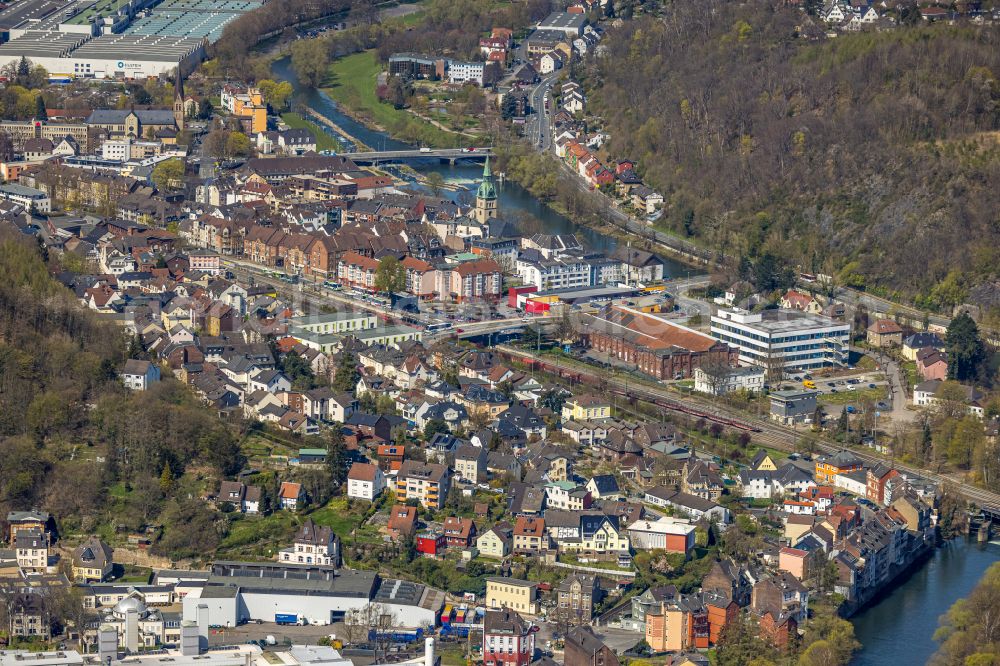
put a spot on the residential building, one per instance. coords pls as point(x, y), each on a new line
point(459, 532)
point(470, 463)
point(575, 598)
point(402, 521)
point(783, 340)
point(31, 548)
point(512, 593)
point(584, 648)
point(428, 483)
point(496, 542)
point(291, 496)
point(508, 640)
point(313, 544)
point(829, 466)
point(92, 561)
point(365, 481)
point(586, 407)
point(884, 333)
point(917, 341)
point(529, 534)
point(139, 375)
point(718, 382)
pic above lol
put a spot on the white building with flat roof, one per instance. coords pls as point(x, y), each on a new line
point(783, 339)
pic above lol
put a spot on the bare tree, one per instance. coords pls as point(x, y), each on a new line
point(717, 372)
point(372, 623)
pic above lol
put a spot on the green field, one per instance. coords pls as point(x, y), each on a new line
point(345, 519)
point(351, 82)
point(844, 397)
point(323, 140)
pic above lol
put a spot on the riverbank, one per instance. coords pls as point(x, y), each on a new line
point(352, 81)
point(898, 627)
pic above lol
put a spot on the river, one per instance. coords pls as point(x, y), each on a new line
point(899, 628)
point(513, 197)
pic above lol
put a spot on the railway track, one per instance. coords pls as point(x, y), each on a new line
point(764, 432)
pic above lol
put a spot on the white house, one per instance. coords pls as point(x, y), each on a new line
point(313, 544)
point(272, 381)
point(139, 375)
point(749, 378)
point(365, 481)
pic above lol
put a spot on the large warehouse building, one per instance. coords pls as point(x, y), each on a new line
point(237, 592)
point(65, 54)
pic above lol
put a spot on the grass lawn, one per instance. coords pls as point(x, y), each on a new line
point(843, 397)
point(351, 82)
point(323, 140)
point(262, 536)
point(343, 519)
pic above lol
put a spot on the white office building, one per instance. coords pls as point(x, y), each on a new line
point(464, 72)
point(785, 339)
point(554, 273)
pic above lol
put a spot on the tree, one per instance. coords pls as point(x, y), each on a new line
point(168, 174)
point(277, 94)
point(435, 182)
point(336, 456)
point(390, 276)
point(40, 112)
point(215, 143)
point(205, 109)
point(966, 353)
point(310, 60)
point(6, 147)
point(970, 631)
point(433, 427)
point(166, 480)
point(347, 375)
point(237, 145)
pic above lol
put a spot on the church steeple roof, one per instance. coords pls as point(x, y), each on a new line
point(487, 189)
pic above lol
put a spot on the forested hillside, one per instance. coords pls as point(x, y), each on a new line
point(873, 156)
point(969, 632)
point(74, 441)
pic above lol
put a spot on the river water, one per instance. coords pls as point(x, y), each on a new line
point(899, 628)
point(513, 197)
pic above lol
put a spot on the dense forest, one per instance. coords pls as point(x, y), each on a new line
point(970, 631)
point(75, 442)
point(870, 156)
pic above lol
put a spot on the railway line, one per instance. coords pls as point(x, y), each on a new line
point(763, 431)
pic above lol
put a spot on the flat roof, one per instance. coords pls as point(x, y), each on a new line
point(20, 12)
point(42, 44)
point(138, 47)
point(778, 321)
point(329, 317)
point(562, 21)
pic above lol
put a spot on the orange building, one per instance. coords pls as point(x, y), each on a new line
point(720, 611)
point(842, 462)
point(681, 624)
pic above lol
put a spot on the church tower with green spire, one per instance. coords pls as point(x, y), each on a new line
point(486, 196)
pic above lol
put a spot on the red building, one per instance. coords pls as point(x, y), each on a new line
point(431, 543)
point(508, 640)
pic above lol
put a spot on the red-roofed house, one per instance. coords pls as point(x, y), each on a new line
point(885, 332)
point(402, 521)
point(796, 300)
point(420, 277)
point(365, 481)
point(459, 532)
point(290, 495)
point(356, 270)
